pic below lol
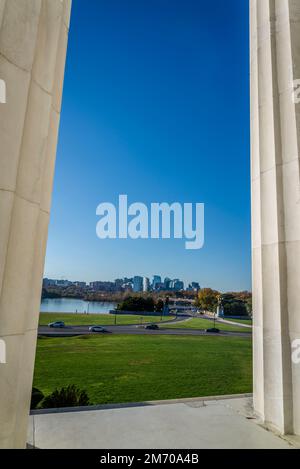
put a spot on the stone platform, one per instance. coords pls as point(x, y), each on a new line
point(185, 424)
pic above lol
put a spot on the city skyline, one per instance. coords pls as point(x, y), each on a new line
point(136, 283)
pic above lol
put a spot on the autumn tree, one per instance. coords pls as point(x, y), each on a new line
point(207, 299)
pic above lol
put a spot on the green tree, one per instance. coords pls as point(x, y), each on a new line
point(234, 304)
point(137, 303)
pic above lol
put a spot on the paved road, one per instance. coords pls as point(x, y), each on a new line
point(135, 330)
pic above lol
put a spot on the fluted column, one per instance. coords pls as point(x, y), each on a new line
point(33, 43)
point(275, 139)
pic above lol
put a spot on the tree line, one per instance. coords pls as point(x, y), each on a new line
point(233, 303)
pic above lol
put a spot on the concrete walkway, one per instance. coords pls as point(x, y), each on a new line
point(232, 321)
point(226, 321)
point(183, 424)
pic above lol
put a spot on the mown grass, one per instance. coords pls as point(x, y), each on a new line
point(78, 319)
point(241, 321)
point(199, 323)
point(134, 368)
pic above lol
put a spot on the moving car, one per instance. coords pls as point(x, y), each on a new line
point(213, 330)
point(57, 324)
point(98, 329)
point(152, 327)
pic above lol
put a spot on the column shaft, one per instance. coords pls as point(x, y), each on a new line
point(275, 62)
point(33, 43)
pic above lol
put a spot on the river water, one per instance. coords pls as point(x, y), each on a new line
point(71, 305)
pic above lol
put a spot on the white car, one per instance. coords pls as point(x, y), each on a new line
point(57, 324)
point(98, 329)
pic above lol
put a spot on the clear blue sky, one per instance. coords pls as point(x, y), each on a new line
point(156, 106)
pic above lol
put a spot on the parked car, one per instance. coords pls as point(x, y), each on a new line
point(57, 324)
point(152, 327)
point(98, 329)
point(213, 330)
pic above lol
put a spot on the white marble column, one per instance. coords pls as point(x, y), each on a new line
point(275, 139)
point(33, 43)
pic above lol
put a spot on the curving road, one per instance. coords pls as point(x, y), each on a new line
point(70, 331)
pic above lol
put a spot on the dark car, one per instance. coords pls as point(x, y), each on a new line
point(152, 327)
point(213, 330)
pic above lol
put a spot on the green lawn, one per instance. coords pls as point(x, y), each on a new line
point(199, 323)
point(99, 319)
point(242, 321)
point(134, 368)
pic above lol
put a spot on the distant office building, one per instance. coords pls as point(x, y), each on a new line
point(156, 281)
point(103, 286)
point(95, 285)
point(137, 284)
point(167, 283)
point(48, 282)
point(194, 286)
point(146, 284)
point(128, 286)
point(127, 280)
point(119, 284)
point(79, 284)
point(177, 285)
point(63, 283)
